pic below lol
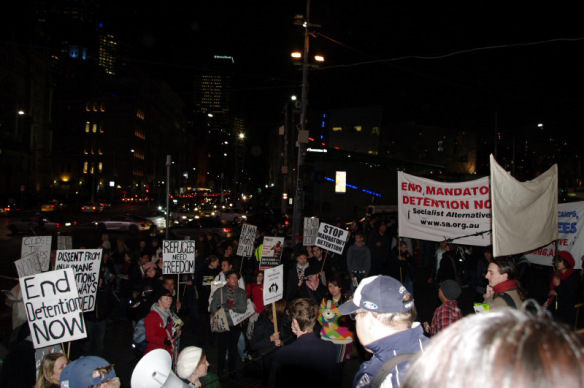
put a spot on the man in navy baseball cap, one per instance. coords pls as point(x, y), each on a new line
point(385, 315)
point(90, 371)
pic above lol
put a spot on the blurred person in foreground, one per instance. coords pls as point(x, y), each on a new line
point(89, 372)
point(502, 348)
point(385, 313)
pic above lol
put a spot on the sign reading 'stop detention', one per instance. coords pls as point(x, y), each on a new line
point(331, 238)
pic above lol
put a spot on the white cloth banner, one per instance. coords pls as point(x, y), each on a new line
point(525, 214)
point(438, 211)
point(570, 237)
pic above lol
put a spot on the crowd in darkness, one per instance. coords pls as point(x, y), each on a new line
point(313, 329)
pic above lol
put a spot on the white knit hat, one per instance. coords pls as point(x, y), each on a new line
point(188, 360)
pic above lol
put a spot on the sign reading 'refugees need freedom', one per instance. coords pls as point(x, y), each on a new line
point(331, 238)
point(85, 264)
point(178, 256)
point(53, 308)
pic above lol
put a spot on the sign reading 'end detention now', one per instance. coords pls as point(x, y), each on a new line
point(331, 238)
point(53, 308)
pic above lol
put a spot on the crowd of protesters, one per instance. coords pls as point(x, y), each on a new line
point(307, 337)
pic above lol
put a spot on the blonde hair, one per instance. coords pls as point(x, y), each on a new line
point(45, 378)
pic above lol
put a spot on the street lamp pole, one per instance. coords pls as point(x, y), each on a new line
point(302, 132)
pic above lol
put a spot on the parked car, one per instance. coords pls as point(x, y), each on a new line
point(92, 207)
point(39, 225)
point(128, 223)
point(230, 215)
point(52, 206)
point(184, 215)
point(196, 227)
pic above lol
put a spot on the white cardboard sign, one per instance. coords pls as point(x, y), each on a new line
point(178, 256)
point(273, 284)
point(331, 238)
point(85, 264)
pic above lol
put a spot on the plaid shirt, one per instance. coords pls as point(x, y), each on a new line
point(444, 316)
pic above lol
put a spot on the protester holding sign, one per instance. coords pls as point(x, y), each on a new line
point(159, 324)
point(230, 297)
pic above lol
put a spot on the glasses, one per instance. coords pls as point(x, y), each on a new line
point(354, 315)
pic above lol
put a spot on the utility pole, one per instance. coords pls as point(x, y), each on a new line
point(302, 132)
point(168, 163)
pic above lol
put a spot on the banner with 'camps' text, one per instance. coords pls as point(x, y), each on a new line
point(437, 211)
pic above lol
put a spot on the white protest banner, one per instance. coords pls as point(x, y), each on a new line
point(178, 256)
point(525, 214)
point(310, 231)
point(439, 211)
point(271, 252)
point(331, 238)
point(570, 236)
point(237, 318)
point(246, 240)
point(40, 244)
point(64, 243)
point(29, 265)
point(273, 284)
point(85, 264)
point(53, 308)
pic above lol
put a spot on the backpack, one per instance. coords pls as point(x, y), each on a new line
point(387, 366)
point(139, 335)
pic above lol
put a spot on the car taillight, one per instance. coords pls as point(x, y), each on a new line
point(58, 225)
point(226, 230)
point(286, 223)
point(52, 205)
point(142, 223)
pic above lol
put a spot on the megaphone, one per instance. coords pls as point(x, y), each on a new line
point(155, 371)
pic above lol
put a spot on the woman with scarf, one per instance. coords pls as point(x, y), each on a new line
point(564, 289)
point(230, 297)
point(159, 325)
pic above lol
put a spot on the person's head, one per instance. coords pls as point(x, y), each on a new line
point(501, 348)
point(121, 245)
point(382, 228)
point(564, 261)
point(403, 247)
point(144, 258)
point(449, 290)
point(304, 313)
point(488, 253)
point(280, 310)
point(381, 306)
point(104, 237)
point(90, 371)
point(360, 238)
point(500, 270)
point(232, 278)
point(312, 272)
point(127, 257)
point(335, 286)
point(150, 269)
point(51, 368)
point(353, 227)
point(228, 250)
point(302, 256)
point(164, 298)
point(260, 277)
point(317, 252)
point(226, 265)
point(142, 244)
point(192, 364)
point(213, 261)
point(443, 245)
point(169, 284)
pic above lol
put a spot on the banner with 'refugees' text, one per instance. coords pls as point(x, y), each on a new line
point(438, 211)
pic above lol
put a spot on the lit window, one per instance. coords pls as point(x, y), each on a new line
point(337, 129)
point(94, 128)
point(85, 168)
point(87, 125)
point(358, 128)
point(375, 131)
point(100, 166)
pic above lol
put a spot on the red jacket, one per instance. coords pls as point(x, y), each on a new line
point(256, 293)
point(156, 333)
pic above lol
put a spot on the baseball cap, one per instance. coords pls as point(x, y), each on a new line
point(82, 373)
point(380, 294)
